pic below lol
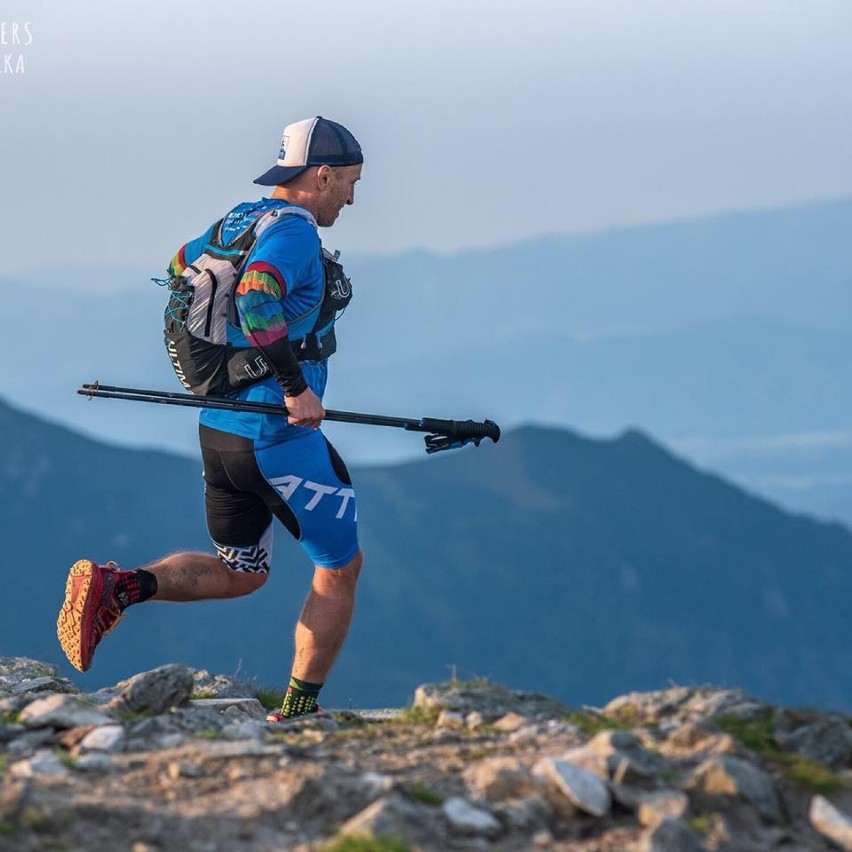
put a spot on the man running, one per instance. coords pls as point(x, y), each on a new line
point(257, 466)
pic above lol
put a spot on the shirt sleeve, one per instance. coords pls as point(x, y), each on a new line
point(279, 265)
point(189, 252)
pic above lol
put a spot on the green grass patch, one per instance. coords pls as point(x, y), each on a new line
point(35, 819)
point(271, 699)
point(133, 715)
point(349, 843)
point(810, 775)
point(626, 717)
point(208, 734)
point(7, 828)
point(4, 763)
point(425, 795)
point(756, 735)
point(417, 716)
point(591, 723)
point(9, 718)
point(702, 823)
point(65, 759)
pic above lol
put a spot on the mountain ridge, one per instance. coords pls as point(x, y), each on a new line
point(656, 569)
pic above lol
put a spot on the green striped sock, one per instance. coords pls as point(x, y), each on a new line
point(301, 698)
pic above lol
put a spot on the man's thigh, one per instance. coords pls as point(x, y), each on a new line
point(312, 485)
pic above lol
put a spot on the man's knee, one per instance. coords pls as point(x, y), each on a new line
point(336, 580)
point(354, 567)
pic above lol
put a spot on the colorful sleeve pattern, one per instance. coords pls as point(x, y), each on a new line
point(190, 252)
point(178, 263)
point(259, 298)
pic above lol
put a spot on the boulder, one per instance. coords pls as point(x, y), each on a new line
point(831, 822)
point(826, 740)
point(657, 807)
point(464, 818)
point(671, 835)
point(61, 711)
point(154, 691)
point(107, 738)
point(733, 777)
point(582, 789)
point(498, 778)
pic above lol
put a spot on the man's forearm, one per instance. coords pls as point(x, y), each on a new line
point(284, 365)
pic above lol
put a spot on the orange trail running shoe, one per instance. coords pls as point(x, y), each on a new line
point(89, 611)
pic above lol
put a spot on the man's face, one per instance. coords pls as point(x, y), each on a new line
point(338, 191)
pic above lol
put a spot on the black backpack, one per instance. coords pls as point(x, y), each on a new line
point(201, 305)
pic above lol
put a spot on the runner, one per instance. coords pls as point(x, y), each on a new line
point(256, 466)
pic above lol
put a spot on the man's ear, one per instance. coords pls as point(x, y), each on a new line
point(324, 177)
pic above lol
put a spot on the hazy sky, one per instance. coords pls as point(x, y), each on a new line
point(135, 124)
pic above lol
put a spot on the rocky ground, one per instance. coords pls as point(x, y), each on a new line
point(176, 759)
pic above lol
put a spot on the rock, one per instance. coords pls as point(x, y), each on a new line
point(616, 755)
point(14, 795)
point(626, 797)
point(14, 670)
point(655, 808)
point(464, 818)
point(731, 776)
point(541, 839)
point(681, 703)
point(95, 762)
point(250, 707)
point(827, 740)
point(29, 742)
point(389, 817)
point(155, 691)
point(510, 722)
point(552, 730)
point(13, 704)
point(449, 719)
point(207, 685)
point(45, 684)
point(43, 763)
point(499, 778)
point(474, 720)
point(61, 711)
point(375, 783)
point(183, 769)
point(70, 738)
point(244, 729)
point(583, 790)
point(671, 835)
point(108, 738)
point(528, 814)
point(831, 823)
point(490, 699)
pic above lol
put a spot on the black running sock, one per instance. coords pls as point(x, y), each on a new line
point(132, 587)
point(301, 698)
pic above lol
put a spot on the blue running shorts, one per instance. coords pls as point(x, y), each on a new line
point(302, 482)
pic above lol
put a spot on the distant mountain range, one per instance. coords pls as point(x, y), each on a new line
point(580, 567)
point(720, 335)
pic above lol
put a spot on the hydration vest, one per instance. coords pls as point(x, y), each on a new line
point(201, 306)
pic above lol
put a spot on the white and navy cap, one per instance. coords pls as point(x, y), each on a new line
point(312, 142)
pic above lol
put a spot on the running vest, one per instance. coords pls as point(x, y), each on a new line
point(201, 305)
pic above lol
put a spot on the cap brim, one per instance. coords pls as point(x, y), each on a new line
point(280, 174)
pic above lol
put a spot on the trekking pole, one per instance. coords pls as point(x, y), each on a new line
point(444, 434)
